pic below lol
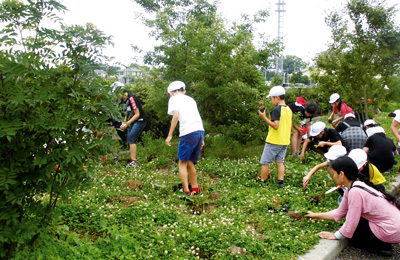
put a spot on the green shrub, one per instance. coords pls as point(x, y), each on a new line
point(46, 100)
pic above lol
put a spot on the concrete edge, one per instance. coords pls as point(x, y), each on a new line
point(330, 249)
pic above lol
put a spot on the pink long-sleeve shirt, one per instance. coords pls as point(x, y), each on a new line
point(383, 217)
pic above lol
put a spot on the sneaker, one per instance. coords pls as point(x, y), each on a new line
point(281, 185)
point(131, 164)
point(264, 183)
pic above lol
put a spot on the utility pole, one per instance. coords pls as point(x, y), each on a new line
point(279, 58)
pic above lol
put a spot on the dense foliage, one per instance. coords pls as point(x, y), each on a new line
point(46, 99)
point(219, 64)
point(365, 53)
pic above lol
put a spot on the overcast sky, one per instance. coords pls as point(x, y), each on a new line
point(304, 28)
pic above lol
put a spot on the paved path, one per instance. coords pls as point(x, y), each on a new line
point(354, 253)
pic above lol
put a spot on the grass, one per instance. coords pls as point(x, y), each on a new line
point(133, 213)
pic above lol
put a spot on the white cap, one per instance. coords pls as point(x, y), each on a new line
point(369, 122)
point(276, 91)
point(359, 156)
point(374, 130)
point(396, 115)
point(349, 115)
point(175, 85)
point(334, 97)
point(116, 85)
point(335, 152)
point(317, 128)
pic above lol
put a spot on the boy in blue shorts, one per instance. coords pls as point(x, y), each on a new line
point(279, 131)
point(191, 132)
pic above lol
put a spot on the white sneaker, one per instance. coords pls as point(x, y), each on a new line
point(131, 164)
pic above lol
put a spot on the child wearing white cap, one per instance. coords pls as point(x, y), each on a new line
point(321, 139)
point(352, 133)
point(380, 149)
point(371, 173)
point(278, 137)
point(335, 152)
point(191, 133)
point(339, 108)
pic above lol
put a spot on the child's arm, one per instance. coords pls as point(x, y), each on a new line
point(395, 132)
point(313, 170)
point(323, 143)
point(174, 122)
point(334, 123)
point(331, 116)
point(303, 150)
point(273, 124)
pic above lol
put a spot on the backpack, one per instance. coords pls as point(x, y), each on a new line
point(353, 137)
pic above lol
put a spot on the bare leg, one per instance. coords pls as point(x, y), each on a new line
point(192, 174)
point(132, 151)
point(264, 171)
point(295, 143)
point(281, 170)
point(183, 174)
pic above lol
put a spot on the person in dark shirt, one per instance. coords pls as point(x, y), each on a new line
point(135, 122)
point(306, 112)
point(321, 139)
point(350, 129)
point(380, 149)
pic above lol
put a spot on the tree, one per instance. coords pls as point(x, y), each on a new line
point(364, 54)
point(218, 65)
point(298, 77)
point(49, 95)
point(292, 64)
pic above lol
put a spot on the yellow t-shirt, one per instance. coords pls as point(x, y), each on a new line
point(375, 176)
point(280, 136)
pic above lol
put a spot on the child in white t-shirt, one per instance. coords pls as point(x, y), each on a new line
point(191, 133)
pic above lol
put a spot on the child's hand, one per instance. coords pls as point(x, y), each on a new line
point(305, 180)
point(168, 141)
point(327, 235)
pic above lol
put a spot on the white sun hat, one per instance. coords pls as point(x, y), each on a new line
point(317, 128)
point(334, 97)
point(175, 85)
point(374, 130)
point(335, 152)
point(276, 91)
point(369, 122)
point(359, 156)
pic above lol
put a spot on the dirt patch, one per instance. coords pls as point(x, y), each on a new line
point(214, 196)
point(133, 185)
point(237, 250)
point(209, 207)
point(295, 215)
point(252, 230)
point(110, 171)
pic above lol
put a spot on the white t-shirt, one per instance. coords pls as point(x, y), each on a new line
point(397, 117)
point(189, 117)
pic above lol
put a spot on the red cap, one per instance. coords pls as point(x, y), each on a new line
point(301, 101)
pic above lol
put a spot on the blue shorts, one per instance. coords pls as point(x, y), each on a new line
point(273, 151)
point(190, 146)
point(135, 130)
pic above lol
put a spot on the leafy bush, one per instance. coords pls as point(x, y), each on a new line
point(48, 102)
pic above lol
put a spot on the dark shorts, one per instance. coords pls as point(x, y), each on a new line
point(190, 146)
point(135, 130)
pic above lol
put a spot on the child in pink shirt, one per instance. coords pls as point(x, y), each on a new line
point(339, 108)
point(372, 220)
